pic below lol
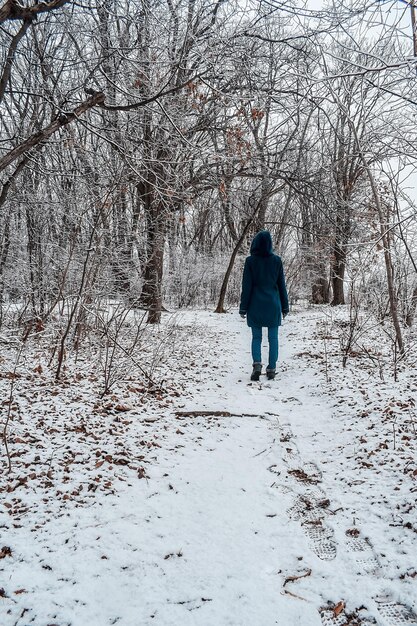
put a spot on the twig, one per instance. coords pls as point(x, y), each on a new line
point(9, 409)
point(294, 595)
point(259, 453)
point(123, 349)
point(293, 579)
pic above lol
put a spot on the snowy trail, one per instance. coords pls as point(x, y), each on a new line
point(251, 520)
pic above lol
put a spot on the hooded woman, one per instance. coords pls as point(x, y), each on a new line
point(264, 300)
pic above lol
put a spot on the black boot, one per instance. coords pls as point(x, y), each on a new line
point(270, 374)
point(256, 372)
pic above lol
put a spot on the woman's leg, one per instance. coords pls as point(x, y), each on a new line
point(256, 344)
point(273, 347)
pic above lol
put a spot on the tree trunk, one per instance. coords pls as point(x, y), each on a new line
point(338, 275)
point(151, 296)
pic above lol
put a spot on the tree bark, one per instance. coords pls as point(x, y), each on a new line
point(151, 296)
point(338, 275)
point(12, 10)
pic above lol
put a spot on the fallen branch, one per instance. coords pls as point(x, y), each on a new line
point(212, 414)
point(294, 595)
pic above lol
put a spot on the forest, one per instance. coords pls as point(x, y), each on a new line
point(144, 143)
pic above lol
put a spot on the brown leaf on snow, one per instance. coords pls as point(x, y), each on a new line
point(11, 375)
point(5, 551)
point(99, 464)
point(122, 408)
point(38, 369)
point(121, 461)
point(19, 591)
point(338, 608)
point(142, 473)
point(323, 504)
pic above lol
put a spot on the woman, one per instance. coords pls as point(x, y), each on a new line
point(264, 300)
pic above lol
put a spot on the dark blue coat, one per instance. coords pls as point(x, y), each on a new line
point(264, 295)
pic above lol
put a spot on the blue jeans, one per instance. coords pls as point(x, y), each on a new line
point(273, 345)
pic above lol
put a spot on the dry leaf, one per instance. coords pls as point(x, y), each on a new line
point(338, 608)
point(141, 472)
point(5, 551)
point(122, 408)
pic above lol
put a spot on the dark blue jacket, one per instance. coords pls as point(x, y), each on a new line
point(264, 295)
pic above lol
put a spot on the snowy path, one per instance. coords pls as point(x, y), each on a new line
point(253, 520)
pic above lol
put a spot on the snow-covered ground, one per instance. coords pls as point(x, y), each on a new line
point(215, 501)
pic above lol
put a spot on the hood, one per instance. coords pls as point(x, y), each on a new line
point(262, 244)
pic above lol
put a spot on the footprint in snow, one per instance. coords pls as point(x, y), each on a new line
point(322, 542)
point(307, 473)
point(362, 552)
point(394, 613)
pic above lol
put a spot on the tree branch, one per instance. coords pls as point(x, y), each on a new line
point(142, 103)
point(62, 120)
point(12, 10)
point(10, 57)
